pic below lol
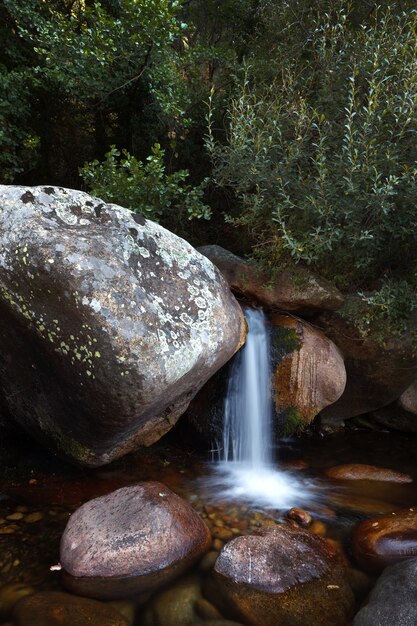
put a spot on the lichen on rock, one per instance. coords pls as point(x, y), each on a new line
point(113, 321)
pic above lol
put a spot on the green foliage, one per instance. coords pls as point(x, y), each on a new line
point(146, 187)
point(292, 422)
point(324, 161)
point(385, 312)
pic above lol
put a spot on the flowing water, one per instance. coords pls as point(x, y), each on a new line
point(246, 469)
point(248, 404)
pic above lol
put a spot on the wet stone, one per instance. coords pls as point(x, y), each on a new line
point(360, 471)
point(300, 516)
point(131, 541)
point(393, 600)
point(386, 539)
point(281, 576)
point(175, 605)
point(51, 608)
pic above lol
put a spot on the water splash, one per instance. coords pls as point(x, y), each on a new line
point(245, 469)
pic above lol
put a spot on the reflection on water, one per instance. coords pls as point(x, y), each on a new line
point(37, 498)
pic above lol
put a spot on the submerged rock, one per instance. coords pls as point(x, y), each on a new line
point(131, 541)
point(393, 599)
point(279, 577)
point(175, 605)
point(53, 608)
point(386, 539)
point(110, 323)
point(379, 364)
point(309, 376)
point(360, 471)
point(293, 289)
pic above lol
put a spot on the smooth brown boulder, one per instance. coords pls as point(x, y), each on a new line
point(110, 324)
point(281, 576)
point(379, 365)
point(292, 289)
point(131, 541)
point(361, 471)
point(53, 608)
point(309, 376)
point(386, 539)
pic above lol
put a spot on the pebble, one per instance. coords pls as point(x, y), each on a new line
point(220, 532)
point(208, 561)
point(8, 530)
point(217, 544)
point(300, 516)
point(33, 517)
point(318, 528)
point(14, 517)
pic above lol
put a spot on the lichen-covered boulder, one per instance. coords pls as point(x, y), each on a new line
point(293, 289)
point(380, 364)
point(110, 323)
point(309, 373)
point(282, 576)
point(130, 542)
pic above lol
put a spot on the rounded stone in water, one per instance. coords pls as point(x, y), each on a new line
point(131, 541)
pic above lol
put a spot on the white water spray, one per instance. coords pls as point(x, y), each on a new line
point(246, 470)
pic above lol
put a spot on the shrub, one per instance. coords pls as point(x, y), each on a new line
point(145, 187)
point(324, 161)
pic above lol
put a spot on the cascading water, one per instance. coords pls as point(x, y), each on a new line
point(246, 469)
point(248, 407)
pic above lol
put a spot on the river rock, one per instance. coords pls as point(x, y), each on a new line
point(393, 599)
point(53, 608)
point(110, 323)
point(385, 539)
point(292, 289)
point(379, 365)
point(281, 576)
point(361, 471)
point(309, 376)
point(175, 605)
point(131, 541)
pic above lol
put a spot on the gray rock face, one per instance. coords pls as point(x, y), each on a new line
point(393, 599)
point(294, 289)
point(131, 541)
point(110, 323)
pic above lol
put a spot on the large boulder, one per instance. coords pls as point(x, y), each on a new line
point(393, 599)
point(131, 542)
point(379, 364)
point(282, 576)
point(309, 375)
point(110, 323)
point(293, 289)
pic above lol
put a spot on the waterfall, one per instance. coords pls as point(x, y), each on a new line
point(248, 402)
point(246, 470)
